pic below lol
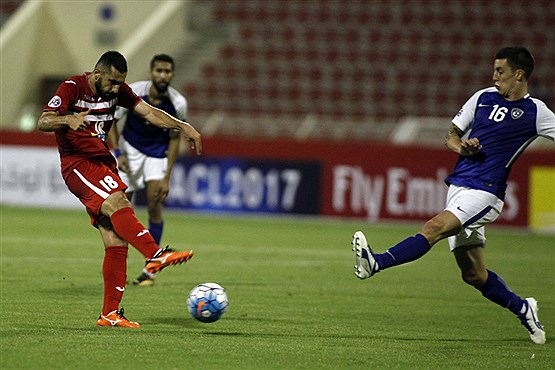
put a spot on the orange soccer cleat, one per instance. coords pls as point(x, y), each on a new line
point(166, 257)
point(116, 318)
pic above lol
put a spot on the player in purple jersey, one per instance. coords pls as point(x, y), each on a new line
point(490, 131)
point(146, 153)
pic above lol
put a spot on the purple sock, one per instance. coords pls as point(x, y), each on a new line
point(497, 291)
point(156, 230)
point(410, 249)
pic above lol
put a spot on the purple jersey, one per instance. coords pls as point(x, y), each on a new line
point(149, 139)
point(504, 128)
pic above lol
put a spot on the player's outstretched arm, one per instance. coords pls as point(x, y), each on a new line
point(466, 147)
point(159, 118)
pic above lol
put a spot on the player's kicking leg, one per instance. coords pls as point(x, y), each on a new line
point(126, 224)
point(368, 263)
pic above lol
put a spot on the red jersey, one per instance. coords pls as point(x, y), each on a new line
point(73, 96)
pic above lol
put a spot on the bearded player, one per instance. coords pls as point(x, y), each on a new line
point(80, 114)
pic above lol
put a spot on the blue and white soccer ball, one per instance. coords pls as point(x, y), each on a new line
point(207, 302)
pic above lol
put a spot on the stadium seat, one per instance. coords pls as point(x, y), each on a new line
point(324, 56)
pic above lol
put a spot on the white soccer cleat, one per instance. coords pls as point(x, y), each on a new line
point(365, 264)
point(531, 322)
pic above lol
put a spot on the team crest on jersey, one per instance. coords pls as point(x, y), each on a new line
point(100, 133)
point(55, 102)
point(516, 113)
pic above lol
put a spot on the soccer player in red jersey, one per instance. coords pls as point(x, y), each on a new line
point(81, 114)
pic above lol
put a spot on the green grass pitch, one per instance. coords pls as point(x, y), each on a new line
point(294, 300)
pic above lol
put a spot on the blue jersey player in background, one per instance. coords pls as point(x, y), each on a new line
point(489, 133)
point(146, 153)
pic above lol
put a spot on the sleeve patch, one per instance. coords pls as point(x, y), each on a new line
point(55, 102)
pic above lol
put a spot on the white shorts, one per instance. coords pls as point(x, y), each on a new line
point(474, 209)
point(142, 168)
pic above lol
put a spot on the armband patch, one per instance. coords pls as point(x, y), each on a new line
point(55, 102)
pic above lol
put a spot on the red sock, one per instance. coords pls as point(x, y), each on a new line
point(114, 271)
point(127, 226)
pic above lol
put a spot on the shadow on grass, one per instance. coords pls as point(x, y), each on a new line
point(367, 337)
point(208, 329)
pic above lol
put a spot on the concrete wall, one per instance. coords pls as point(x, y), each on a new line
point(47, 39)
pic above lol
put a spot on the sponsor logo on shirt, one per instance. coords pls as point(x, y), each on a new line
point(55, 102)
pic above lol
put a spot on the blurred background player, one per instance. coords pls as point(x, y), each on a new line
point(146, 153)
point(501, 122)
point(80, 114)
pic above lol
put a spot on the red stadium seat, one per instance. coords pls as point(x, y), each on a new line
point(324, 56)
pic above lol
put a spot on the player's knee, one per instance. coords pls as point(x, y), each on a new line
point(432, 231)
point(106, 223)
point(440, 227)
point(114, 202)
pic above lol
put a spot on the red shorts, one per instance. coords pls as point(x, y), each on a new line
point(92, 181)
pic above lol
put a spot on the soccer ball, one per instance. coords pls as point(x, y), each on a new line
point(207, 302)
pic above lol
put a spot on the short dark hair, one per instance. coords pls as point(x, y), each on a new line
point(517, 57)
point(114, 59)
point(161, 58)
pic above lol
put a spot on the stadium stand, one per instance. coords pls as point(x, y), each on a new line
point(332, 69)
point(358, 60)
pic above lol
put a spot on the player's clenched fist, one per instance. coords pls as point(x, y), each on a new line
point(470, 146)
